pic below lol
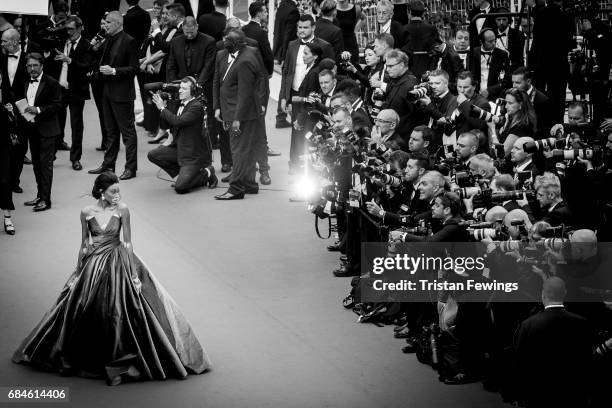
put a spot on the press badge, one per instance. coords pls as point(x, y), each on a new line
point(404, 208)
point(328, 208)
point(354, 198)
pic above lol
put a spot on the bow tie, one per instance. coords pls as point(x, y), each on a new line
point(33, 80)
point(13, 56)
point(487, 52)
point(501, 35)
point(302, 42)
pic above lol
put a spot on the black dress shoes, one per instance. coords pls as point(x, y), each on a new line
point(100, 170)
point(76, 165)
point(127, 174)
point(227, 178)
point(273, 152)
point(344, 272)
point(333, 248)
point(226, 168)
point(159, 138)
point(213, 181)
point(101, 148)
point(265, 179)
point(17, 189)
point(42, 206)
point(63, 146)
point(229, 196)
point(26, 160)
point(32, 202)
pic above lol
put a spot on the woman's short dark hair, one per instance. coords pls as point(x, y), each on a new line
point(315, 50)
point(452, 201)
point(103, 181)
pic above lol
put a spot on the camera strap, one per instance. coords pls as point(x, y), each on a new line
point(329, 232)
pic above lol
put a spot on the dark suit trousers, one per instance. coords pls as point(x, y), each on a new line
point(224, 145)
point(119, 119)
point(96, 90)
point(6, 190)
point(243, 155)
point(261, 147)
point(18, 153)
point(76, 123)
point(189, 177)
point(149, 110)
point(552, 80)
point(43, 150)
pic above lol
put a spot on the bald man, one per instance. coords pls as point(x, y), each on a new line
point(553, 351)
point(522, 161)
point(118, 66)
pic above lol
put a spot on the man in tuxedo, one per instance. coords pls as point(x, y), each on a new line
point(446, 58)
point(490, 66)
point(193, 54)
point(195, 8)
point(554, 353)
point(285, 28)
point(69, 67)
point(294, 71)
point(237, 103)
point(466, 97)
point(522, 161)
point(401, 82)
point(386, 24)
point(136, 22)
point(118, 66)
point(213, 23)
point(552, 40)
point(43, 96)
point(510, 40)
point(527, 32)
point(461, 45)
point(476, 27)
point(327, 30)
point(187, 158)
point(254, 29)
point(439, 106)
point(14, 81)
point(522, 79)
point(420, 40)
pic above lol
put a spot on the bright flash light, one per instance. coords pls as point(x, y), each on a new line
point(304, 189)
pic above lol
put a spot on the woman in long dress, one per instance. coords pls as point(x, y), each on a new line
point(113, 319)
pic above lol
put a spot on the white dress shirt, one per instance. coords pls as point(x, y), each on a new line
point(485, 61)
point(68, 47)
point(480, 22)
point(230, 61)
point(12, 65)
point(386, 28)
point(502, 40)
point(183, 104)
point(32, 89)
point(194, 6)
point(300, 68)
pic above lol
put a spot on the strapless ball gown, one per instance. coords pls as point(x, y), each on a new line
point(113, 320)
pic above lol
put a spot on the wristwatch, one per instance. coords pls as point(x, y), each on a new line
point(381, 213)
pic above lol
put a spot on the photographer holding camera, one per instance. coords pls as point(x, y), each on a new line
point(187, 157)
point(519, 120)
point(384, 134)
point(548, 193)
point(438, 106)
point(466, 97)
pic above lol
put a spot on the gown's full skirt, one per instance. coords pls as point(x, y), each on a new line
point(113, 320)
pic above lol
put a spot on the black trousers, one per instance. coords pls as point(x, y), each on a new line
point(553, 82)
point(119, 120)
point(261, 147)
point(76, 124)
point(6, 189)
point(189, 177)
point(17, 154)
point(43, 150)
point(243, 155)
point(224, 144)
point(96, 90)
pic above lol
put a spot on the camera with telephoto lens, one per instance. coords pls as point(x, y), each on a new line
point(379, 95)
point(595, 153)
point(544, 145)
point(422, 228)
point(479, 113)
point(169, 91)
point(488, 230)
point(419, 91)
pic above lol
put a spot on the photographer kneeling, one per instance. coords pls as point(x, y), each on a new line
point(186, 158)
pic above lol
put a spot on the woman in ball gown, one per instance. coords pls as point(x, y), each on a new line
point(113, 319)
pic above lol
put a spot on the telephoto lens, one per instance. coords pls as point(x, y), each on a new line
point(572, 154)
point(544, 145)
point(479, 113)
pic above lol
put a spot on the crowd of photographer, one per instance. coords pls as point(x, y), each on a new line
point(481, 155)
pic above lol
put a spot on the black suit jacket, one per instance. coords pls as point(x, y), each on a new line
point(187, 132)
point(123, 54)
point(552, 38)
point(541, 105)
point(488, 23)
point(202, 64)
point(466, 122)
point(516, 46)
point(499, 66)
point(212, 24)
point(289, 64)
point(452, 230)
point(49, 100)
point(451, 63)
point(285, 27)
point(237, 95)
point(137, 23)
point(14, 92)
point(420, 37)
point(553, 353)
point(561, 214)
point(256, 32)
point(204, 7)
point(328, 31)
point(82, 63)
point(397, 91)
point(397, 32)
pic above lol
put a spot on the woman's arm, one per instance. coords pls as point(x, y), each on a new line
point(84, 237)
point(127, 228)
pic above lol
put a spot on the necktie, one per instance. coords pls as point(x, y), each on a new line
point(13, 56)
